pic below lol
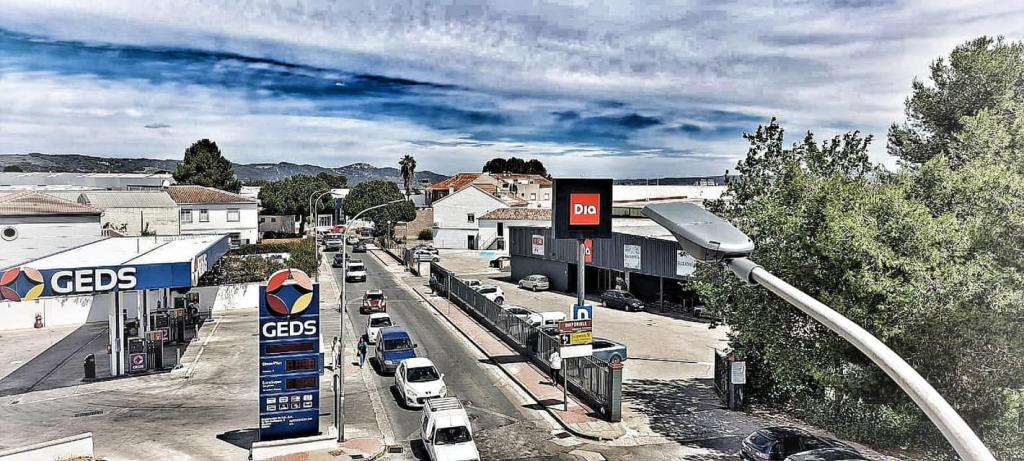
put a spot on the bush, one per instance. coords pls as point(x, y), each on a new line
point(263, 248)
point(303, 256)
point(426, 234)
point(240, 269)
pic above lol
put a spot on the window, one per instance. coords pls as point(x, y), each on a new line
point(533, 196)
point(9, 234)
point(204, 215)
point(234, 215)
point(471, 217)
point(273, 219)
point(236, 239)
point(262, 220)
point(547, 196)
point(186, 216)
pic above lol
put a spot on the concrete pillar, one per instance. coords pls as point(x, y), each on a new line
point(614, 410)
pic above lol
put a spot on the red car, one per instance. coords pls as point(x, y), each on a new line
point(374, 301)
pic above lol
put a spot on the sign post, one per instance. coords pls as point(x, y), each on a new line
point(290, 360)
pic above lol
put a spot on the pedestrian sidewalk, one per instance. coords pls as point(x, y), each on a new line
point(577, 419)
point(365, 420)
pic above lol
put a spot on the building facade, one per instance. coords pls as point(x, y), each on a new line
point(278, 225)
point(33, 225)
point(496, 226)
point(456, 215)
point(131, 213)
point(204, 211)
point(94, 181)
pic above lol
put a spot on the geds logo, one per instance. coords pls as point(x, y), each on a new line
point(21, 284)
point(289, 294)
point(584, 209)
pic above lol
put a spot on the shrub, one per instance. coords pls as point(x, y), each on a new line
point(426, 234)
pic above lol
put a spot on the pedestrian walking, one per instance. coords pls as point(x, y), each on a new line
point(362, 350)
point(556, 366)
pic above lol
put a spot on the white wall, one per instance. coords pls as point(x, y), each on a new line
point(489, 228)
point(241, 296)
point(71, 310)
point(247, 226)
point(162, 221)
point(43, 236)
point(452, 227)
point(74, 447)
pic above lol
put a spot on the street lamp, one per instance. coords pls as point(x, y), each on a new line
point(316, 246)
point(309, 203)
point(344, 310)
point(709, 238)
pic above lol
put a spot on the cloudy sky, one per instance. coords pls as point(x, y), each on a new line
point(612, 88)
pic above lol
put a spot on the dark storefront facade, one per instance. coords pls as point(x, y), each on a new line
point(648, 267)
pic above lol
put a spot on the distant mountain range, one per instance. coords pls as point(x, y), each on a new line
point(355, 173)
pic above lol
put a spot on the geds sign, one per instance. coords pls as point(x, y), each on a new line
point(582, 208)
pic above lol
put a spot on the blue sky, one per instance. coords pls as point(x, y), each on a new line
point(605, 88)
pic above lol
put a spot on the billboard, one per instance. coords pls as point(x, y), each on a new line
point(582, 208)
point(25, 283)
point(289, 356)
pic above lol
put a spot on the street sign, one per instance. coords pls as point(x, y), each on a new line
point(739, 373)
point(575, 326)
point(582, 312)
point(584, 337)
point(137, 362)
point(569, 352)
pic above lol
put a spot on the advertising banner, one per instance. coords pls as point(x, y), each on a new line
point(538, 245)
point(686, 265)
point(631, 256)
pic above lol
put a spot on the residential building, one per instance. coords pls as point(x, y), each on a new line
point(252, 192)
point(495, 226)
point(534, 190)
point(456, 216)
point(131, 213)
point(205, 210)
point(86, 181)
point(278, 225)
point(33, 225)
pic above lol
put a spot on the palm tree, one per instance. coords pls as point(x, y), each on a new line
point(408, 165)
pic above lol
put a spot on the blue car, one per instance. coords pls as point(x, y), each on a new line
point(393, 346)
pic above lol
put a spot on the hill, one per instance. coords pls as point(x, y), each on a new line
point(356, 172)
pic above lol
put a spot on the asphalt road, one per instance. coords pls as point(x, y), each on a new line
point(492, 413)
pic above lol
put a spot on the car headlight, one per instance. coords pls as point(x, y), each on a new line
point(444, 390)
point(389, 362)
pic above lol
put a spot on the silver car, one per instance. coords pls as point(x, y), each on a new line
point(534, 282)
point(609, 351)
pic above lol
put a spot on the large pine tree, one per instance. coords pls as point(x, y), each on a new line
point(204, 165)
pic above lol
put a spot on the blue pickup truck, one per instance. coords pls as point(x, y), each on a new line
point(393, 346)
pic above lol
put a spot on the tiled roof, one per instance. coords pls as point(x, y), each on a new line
point(457, 182)
point(512, 200)
point(204, 195)
point(489, 188)
point(35, 204)
point(535, 178)
point(106, 199)
point(518, 213)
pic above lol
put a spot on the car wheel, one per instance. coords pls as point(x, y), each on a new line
point(499, 300)
point(616, 359)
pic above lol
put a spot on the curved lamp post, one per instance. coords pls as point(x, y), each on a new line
point(709, 238)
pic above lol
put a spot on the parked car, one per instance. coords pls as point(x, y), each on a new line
point(609, 351)
point(446, 432)
point(621, 299)
point(359, 248)
point(473, 283)
point(545, 318)
point(499, 261)
point(352, 240)
point(421, 255)
point(534, 282)
point(374, 323)
point(492, 292)
point(417, 380)
point(356, 271)
point(427, 248)
point(779, 442)
point(393, 346)
point(518, 311)
point(373, 301)
point(827, 454)
point(339, 260)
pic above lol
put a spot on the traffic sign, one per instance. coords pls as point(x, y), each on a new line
point(582, 312)
point(137, 362)
point(575, 326)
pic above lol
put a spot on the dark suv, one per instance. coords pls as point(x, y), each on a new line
point(621, 299)
point(779, 442)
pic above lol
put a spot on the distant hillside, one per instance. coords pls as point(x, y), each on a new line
point(356, 172)
point(719, 180)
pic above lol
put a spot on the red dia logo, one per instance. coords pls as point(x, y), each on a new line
point(21, 284)
point(584, 209)
point(291, 301)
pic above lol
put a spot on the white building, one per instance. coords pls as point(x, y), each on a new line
point(456, 217)
point(131, 213)
point(495, 225)
point(33, 225)
point(102, 181)
point(205, 210)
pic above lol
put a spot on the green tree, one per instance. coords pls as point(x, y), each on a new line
point(373, 193)
point(408, 164)
point(13, 169)
point(982, 74)
point(204, 165)
point(515, 165)
point(291, 196)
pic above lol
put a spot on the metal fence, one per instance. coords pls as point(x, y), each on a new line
point(596, 382)
point(730, 393)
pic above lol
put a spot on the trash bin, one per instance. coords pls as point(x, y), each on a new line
point(89, 364)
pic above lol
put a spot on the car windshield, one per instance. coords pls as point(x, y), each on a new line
point(397, 344)
point(759, 441)
point(380, 322)
point(629, 297)
point(375, 296)
point(355, 267)
point(422, 375)
point(452, 435)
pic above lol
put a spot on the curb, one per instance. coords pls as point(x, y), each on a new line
point(506, 372)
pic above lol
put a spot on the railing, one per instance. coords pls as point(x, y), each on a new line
point(596, 382)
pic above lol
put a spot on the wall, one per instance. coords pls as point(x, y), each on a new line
point(43, 236)
point(277, 223)
point(74, 447)
point(424, 220)
point(71, 310)
point(556, 272)
point(247, 226)
point(162, 221)
point(220, 298)
point(450, 216)
point(488, 231)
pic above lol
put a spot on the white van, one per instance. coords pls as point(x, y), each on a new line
point(541, 319)
point(446, 432)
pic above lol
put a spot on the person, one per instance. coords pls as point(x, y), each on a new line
point(556, 366)
point(362, 350)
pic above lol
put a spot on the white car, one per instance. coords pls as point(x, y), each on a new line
point(473, 283)
point(534, 282)
point(545, 318)
point(356, 271)
point(446, 432)
point(417, 380)
point(492, 292)
point(374, 323)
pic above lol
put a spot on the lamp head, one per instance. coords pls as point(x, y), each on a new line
point(699, 232)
